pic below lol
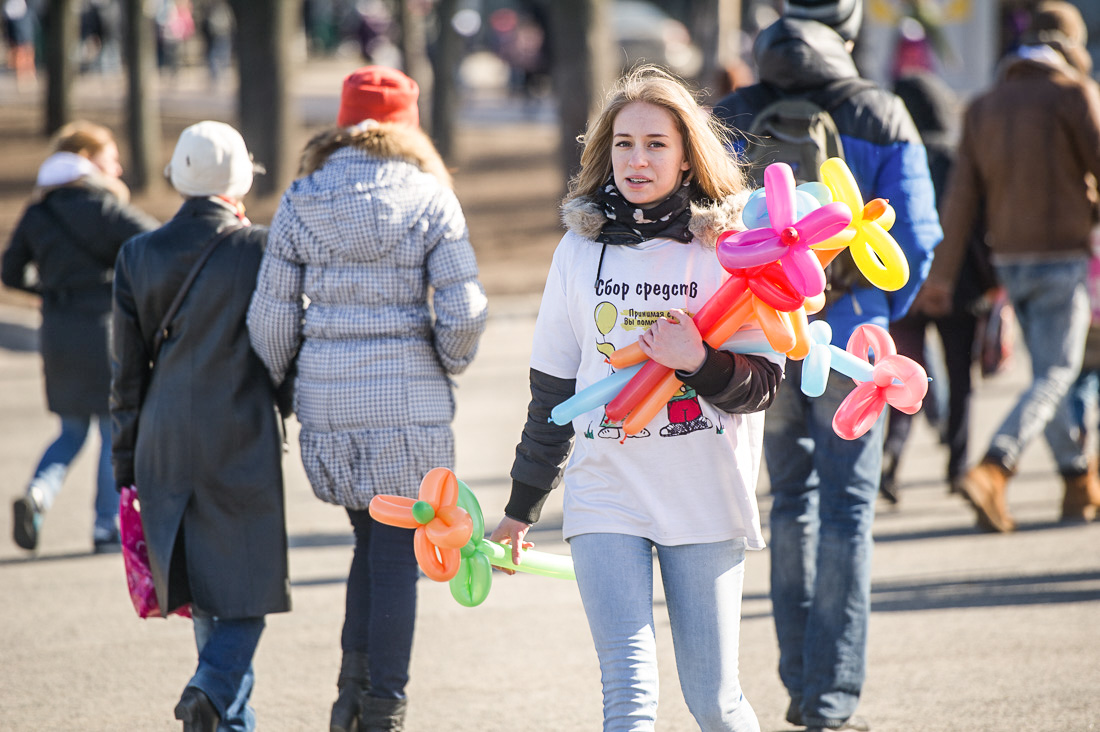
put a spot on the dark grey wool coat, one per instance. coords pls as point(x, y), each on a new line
point(198, 433)
point(70, 238)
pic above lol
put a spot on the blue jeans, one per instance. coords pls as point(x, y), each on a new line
point(55, 462)
point(1052, 307)
point(703, 585)
point(224, 674)
point(824, 490)
point(380, 611)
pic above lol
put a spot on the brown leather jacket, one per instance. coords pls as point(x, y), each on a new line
point(1029, 157)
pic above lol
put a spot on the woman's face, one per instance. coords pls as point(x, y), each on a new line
point(647, 154)
point(106, 159)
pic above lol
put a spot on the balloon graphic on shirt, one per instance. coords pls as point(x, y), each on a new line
point(606, 314)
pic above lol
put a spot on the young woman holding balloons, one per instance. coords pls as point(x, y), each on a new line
point(655, 190)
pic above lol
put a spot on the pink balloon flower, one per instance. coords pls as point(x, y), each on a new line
point(786, 240)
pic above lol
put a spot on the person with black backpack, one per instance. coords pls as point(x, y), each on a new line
point(824, 487)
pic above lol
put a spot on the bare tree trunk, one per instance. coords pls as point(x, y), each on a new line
point(264, 34)
point(61, 38)
point(716, 28)
point(448, 55)
point(142, 102)
point(582, 69)
point(414, 50)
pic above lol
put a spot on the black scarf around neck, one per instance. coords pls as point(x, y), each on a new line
point(629, 224)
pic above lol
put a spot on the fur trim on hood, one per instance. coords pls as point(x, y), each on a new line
point(381, 140)
point(583, 217)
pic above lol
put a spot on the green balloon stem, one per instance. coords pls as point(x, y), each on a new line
point(532, 562)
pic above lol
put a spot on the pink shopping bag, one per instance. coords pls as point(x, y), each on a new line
point(135, 558)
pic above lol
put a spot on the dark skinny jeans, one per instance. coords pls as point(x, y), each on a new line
point(381, 603)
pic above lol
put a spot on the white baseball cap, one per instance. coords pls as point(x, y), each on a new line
point(211, 159)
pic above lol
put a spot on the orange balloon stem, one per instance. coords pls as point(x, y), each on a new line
point(647, 406)
point(826, 256)
point(801, 326)
point(730, 322)
point(654, 402)
point(634, 392)
point(627, 356)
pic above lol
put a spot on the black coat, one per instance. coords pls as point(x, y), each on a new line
point(199, 433)
point(71, 237)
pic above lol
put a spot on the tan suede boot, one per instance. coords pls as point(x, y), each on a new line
point(984, 486)
point(1082, 496)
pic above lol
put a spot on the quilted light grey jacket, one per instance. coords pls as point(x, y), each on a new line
point(381, 252)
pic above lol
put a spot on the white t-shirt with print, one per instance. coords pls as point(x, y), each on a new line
point(690, 476)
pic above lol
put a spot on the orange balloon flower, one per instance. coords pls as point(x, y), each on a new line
point(442, 528)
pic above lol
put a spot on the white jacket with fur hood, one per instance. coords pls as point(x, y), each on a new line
point(369, 288)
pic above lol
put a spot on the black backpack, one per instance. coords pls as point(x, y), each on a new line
point(798, 129)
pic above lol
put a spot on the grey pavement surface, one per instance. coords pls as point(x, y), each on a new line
point(969, 631)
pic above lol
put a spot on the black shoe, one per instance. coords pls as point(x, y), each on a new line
point(352, 684)
point(25, 522)
point(794, 714)
point(196, 712)
point(383, 715)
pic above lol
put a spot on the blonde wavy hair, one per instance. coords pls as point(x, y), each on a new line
point(714, 169)
point(82, 137)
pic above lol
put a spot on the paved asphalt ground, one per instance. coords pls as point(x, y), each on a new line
point(969, 631)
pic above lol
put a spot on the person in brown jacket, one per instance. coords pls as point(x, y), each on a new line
point(1029, 158)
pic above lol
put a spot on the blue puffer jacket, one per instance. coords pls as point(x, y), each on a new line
point(881, 147)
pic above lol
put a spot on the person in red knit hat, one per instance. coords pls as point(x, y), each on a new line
point(379, 93)
point(373, 234)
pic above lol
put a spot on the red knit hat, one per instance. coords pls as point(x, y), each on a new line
point(379, 93)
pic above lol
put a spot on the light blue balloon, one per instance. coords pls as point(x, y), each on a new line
point(755, 213)
point(815, 370)
point(816, 365)
point(818, 191)
point(753, 345)
point(850, 365)
point(593, 396)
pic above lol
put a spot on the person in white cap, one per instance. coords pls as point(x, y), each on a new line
point(196, 428)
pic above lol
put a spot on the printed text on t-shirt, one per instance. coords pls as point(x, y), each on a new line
point(663, 291)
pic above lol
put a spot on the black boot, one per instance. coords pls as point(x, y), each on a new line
point(383, 715)
point(353, 683)
point(196, 712)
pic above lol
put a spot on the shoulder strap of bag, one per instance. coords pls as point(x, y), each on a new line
point(162, 330)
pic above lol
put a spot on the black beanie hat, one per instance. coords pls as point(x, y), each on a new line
point(843, 16)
